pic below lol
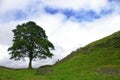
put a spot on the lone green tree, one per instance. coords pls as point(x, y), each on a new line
point(31, 41)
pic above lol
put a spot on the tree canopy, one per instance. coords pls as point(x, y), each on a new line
point(30, 40)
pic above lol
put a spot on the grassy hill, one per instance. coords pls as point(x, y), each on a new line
point(99, 60)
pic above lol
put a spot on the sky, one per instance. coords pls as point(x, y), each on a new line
point(69, 24)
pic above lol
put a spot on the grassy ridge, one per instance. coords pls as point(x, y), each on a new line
point(99, 60)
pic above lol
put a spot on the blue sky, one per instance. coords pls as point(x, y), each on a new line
point(69, 26)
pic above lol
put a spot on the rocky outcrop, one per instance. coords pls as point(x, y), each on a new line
point(45, 70)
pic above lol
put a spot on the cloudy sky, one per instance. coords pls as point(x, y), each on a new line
point(69, 24)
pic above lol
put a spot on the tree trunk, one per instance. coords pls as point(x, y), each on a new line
point(30, 63)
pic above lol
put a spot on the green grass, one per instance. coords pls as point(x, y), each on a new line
point(99, 60)
point(21, 74)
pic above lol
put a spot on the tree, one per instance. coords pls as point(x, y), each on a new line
point(30, 41)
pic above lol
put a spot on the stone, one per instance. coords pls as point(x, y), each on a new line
point(45, 70)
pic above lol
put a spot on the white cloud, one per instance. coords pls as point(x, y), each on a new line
point(7, 5)
point(51, 23)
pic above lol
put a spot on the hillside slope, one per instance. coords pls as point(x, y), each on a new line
point(99, 60)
